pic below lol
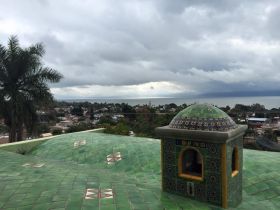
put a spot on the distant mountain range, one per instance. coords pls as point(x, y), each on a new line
point(231, 94)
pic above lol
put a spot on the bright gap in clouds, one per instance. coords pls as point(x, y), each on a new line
point(147, 90)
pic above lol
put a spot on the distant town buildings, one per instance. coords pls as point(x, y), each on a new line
point(255, 122)
point(73, 116)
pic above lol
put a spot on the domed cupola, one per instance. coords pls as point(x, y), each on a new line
point(201, 153)
point(202, 117)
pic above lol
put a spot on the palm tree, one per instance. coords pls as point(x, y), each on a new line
point(23, 85)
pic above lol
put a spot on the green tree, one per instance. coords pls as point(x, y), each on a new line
point(128, 111)
point(23, 85)
point(121, 129)
point(56, 132)
point(78, 111)
point(82, 126)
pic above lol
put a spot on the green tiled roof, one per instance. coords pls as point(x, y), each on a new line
point(202, 117)
point(58, 172)
point(203, 111)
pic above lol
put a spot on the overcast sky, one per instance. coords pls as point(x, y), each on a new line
point(151, 48)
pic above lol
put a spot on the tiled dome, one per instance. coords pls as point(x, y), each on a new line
point(202, 117)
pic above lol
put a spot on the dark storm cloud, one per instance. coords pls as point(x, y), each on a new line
point(200, 46)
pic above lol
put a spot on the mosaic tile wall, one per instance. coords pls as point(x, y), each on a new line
point(235, 183)
point(208, 190)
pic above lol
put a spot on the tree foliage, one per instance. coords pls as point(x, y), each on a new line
point(23, 85)
point(82, 126)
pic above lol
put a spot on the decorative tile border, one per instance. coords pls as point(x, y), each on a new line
point(83, 142)
point(94, 193)
point(38, 165)
point(79, 143)
point(113, 158)
point(33, 165)
point(27, 164)
point(209, 124)
point(107, 193)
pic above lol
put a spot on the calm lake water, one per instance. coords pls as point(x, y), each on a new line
point(268, 101)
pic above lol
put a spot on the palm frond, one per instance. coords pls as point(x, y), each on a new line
point(23, 78)
point(37, 49)
point(13, 45)
point(3, 52)
point(49, 75)
point(3, 58)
